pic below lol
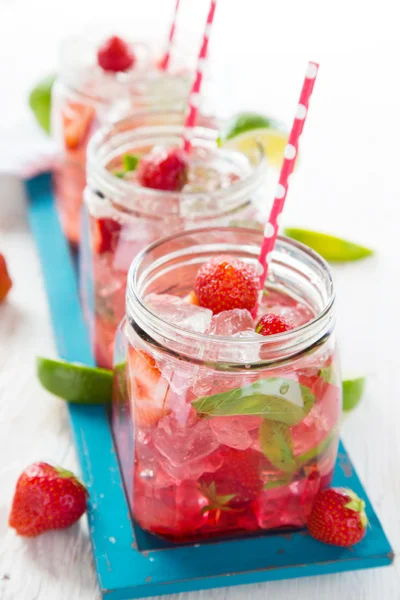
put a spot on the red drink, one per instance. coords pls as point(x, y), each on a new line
point(86, 96)
point(219, 429)
point(223, 187)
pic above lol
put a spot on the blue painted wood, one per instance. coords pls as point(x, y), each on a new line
point(123, 571)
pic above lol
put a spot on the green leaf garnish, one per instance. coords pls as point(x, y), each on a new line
point(130, 162)
point(282, 400)
point(330, 375)
point(332, 248)
point(119, 174)
point(353, 390)
point(276, 444)
point(278, 482)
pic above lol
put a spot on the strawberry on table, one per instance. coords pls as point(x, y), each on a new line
point(148, 388)
point(163, 170)
point(338, 517)
point(5, 280)
point(271, 324)
point(226, 283)
point(46, 498)
point(115, 55)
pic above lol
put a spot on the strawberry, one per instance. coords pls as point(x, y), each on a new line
point(105, 234)
point(149, 389)
point(164, 170)
point(5, 280)
point(338, 517)
point(46, 498)
point(270, 324)
point(77, 120)
point(226, 283)
point(115, 55)
point(236, 483)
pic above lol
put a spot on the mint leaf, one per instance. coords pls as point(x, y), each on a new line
point(276, 444)
point(282, 400)
point(278, 482)
point(130, 162)
point(329, 374)
point(119, 174)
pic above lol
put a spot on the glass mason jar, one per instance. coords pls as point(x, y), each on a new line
point(85, 96)
point(217, 434)
point(124, 217)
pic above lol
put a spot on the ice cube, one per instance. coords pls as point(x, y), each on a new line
point(231, 432)
point(175, 310)
point(183, 445)
point(231, 322)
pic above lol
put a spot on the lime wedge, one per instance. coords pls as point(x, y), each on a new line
point(273, 142)
point(40, 102)
point(244, 130)
point(74, 382)
point(248, 121)
point(331, 248)
point(353, 390)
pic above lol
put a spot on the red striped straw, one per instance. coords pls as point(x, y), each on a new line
point(271, 227)
point(194, 98)
point(167, 55)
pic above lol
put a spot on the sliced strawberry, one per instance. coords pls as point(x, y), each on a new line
point(105, 234)
point(148, 388)
point(77, 119)
point(191, 298)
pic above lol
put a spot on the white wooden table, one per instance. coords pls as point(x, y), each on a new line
point(348, 184)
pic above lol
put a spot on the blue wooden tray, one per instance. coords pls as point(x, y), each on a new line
point(159, 567)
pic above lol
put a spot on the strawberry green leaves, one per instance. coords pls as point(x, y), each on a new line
point(332, 248)
point(281, 400)
point(217, 503)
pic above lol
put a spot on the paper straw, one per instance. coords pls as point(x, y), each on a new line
point(194, 97)
point(290, 154)
point(167, 55)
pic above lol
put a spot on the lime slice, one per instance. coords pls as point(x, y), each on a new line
point(40, 102)
point(244, 130)
point(331, 248)
point(248, 121)
point(74, 382)
point(353, 390)
point(273, 142)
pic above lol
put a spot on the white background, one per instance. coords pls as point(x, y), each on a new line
point(348, 184)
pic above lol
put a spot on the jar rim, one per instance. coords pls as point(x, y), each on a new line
point(117, 189)
point(312, 331)
point(77, 60)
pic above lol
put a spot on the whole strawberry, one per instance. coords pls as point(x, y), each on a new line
point(338, 517)
point(270, 324)
point(46, 498)
point(163, 170)
point(115, 55)
point(237, 483)
point(226, 283)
